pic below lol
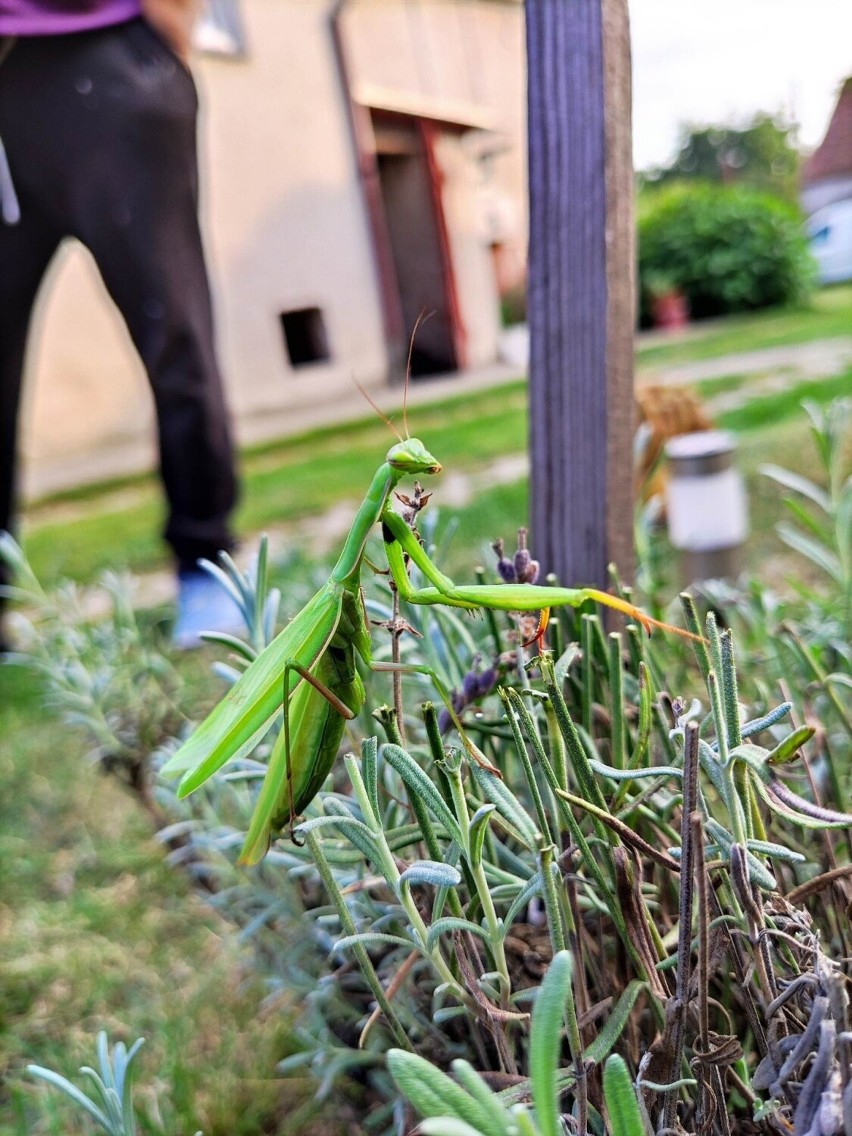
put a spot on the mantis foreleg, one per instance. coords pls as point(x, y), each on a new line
point(401, 542)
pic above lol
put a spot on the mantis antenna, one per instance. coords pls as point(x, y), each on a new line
point(387, 421)
point(424, 315)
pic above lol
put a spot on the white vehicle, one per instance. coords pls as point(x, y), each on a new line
point(830, 234)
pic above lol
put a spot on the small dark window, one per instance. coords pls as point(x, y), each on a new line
point(305, 336)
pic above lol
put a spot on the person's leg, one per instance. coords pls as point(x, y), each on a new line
point(139, 219)
point(109, 151)
point(25, 251)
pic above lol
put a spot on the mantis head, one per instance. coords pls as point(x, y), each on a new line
point(411, 456)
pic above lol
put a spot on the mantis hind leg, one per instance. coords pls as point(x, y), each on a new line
point(337, 704)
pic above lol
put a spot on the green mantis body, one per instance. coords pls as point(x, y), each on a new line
point(310, 668)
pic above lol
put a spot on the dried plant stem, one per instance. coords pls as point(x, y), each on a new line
point(813, 887)
point(393, 988)
point(711, 1098)
point(624, 831)
point(684, 949)
point(703, 920)
point(749, 897)
point(735, 954)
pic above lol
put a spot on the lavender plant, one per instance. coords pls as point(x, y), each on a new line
point(450, 888)
point(111, 1104)
point(101, 668)
point(660, 841)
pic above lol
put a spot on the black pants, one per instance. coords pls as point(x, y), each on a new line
point(99, 129)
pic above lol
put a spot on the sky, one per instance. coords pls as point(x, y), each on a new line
point(713, 61)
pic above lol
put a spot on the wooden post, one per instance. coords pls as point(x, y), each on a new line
point(581, 305)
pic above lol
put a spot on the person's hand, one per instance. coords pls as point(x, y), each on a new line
point(173, 20)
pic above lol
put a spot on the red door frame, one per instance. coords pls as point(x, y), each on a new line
point(428, 133)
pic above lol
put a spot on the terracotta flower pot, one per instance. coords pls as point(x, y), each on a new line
point(670, 310)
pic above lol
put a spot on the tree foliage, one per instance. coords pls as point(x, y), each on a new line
point(761, 154)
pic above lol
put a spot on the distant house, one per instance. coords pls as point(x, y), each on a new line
point(827, 194)
point(362, 162)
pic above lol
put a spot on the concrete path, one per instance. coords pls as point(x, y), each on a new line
point(801, 361)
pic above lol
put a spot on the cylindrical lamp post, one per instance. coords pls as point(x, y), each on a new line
point(706, 505)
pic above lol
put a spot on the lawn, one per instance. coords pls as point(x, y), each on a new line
point(828, 316)
point(96, 931)
point(295, 482)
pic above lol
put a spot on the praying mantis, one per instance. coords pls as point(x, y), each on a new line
point(309, 671)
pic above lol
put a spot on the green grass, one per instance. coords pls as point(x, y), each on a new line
point(784, 405)
point(300, 478)
point(829, 315)
point(98, 932)
point(81, 532)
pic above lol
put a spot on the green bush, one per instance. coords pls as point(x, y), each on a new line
point(727, 248)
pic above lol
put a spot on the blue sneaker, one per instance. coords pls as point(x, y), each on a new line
point(203, 605)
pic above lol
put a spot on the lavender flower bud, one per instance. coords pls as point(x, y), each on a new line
point(487, 680)
point(522, 556)
point(526, 569)
point(470, 686)
point(531, 574)
point(475, 685)
point(505, 568)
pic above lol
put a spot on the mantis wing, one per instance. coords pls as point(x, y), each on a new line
point(242, 717)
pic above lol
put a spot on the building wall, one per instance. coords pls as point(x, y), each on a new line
point(826, 191)
point(286, 227)
point(463, 60)
point(287, 223)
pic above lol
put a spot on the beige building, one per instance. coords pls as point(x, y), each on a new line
point(363, 162)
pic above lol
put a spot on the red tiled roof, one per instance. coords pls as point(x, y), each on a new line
point(833, 156)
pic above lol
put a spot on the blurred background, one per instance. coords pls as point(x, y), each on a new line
point(364, 161)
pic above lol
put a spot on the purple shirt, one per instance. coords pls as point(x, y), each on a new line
point(58, 17)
